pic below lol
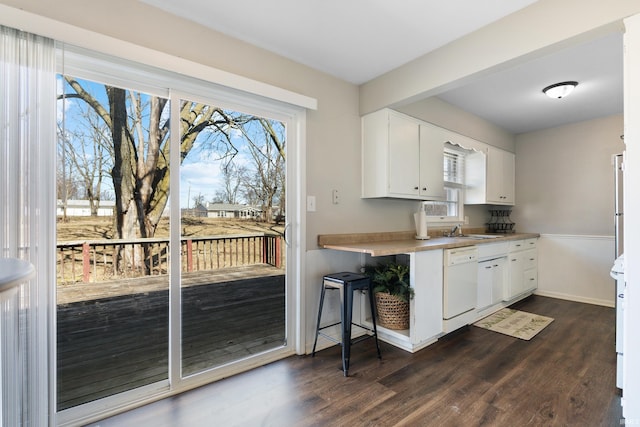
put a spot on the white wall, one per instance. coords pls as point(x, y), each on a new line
point(564, 178)
point(564, 190)
point(576, 268)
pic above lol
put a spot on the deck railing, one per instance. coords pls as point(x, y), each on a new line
point(98, 260)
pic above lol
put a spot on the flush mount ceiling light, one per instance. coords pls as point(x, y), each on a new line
point(560, 90)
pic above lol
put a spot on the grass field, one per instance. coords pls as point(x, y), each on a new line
point(99, 228)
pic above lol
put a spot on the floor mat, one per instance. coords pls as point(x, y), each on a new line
point(515, 323)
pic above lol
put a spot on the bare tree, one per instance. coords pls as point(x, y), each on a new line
point(198, 201)
point(233, 176)
point(138, 129)
point(86, 149)
point(139, 135)
point(267, 183)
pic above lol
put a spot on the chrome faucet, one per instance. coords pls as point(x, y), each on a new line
point(457, 227)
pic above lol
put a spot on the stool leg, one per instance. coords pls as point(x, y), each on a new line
point(313, 353)
point(372, 306)
point(347, 308)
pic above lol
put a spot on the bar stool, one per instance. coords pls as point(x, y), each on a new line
point(347, 282)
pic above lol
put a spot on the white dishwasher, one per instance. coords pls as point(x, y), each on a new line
point(460, 281)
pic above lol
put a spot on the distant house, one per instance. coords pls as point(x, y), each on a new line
point(199, 211)
point(228, 210)
point(82, 208)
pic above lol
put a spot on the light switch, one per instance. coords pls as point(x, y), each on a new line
point(311, 203)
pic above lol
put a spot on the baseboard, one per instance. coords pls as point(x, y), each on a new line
point(574, 298)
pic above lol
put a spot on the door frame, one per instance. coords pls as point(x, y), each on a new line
point(295, 121)
point(295, 232)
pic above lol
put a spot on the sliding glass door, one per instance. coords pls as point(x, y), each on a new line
point(232, 211)
point(112, 317)
point(171, 257)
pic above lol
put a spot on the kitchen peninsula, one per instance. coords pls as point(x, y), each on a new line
point(500, 270)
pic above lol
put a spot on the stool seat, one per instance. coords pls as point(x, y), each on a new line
point(347, 282)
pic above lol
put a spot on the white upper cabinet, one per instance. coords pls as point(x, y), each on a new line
point(432, 139)
point(490, 177)
point(402, 157)
point(403, 152)
point(501, 176)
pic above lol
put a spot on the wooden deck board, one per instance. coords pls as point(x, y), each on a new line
point(120, 341)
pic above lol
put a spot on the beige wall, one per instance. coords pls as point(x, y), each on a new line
point(564, 178)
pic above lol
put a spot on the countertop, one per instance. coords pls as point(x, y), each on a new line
point(392, 243)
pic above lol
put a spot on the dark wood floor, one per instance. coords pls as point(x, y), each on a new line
point(114, 344)
point(565, 376)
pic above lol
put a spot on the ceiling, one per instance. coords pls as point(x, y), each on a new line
point(359, 40)
point(513, 98)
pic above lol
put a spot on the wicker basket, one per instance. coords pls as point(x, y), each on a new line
point(393, 313)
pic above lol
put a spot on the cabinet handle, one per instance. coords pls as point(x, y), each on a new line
point(424, 188)
point(488, 266)
point(515, 259)
point(532, 279)
point(415, 188)
point(496, 265)
point(532, 259)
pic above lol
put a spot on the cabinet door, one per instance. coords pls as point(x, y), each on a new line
point(485, 284)
point(404, 160)
point(530, 280)
point(515, 283)
point(508, 177)
point(431, 162)
point(498, 279)
point(426, 276)
point(530, 259)
point(500, 176)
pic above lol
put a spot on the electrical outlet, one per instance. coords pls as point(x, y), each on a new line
point(311, 203)
point(335, 197)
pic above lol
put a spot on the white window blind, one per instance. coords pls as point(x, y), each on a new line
point(453, 166)
point(27, 191)
point(450, 209)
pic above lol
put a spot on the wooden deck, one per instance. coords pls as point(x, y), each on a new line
point(113, 336)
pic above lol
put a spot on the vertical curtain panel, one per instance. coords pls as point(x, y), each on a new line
point(27, 213)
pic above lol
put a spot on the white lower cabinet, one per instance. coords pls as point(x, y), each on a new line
point(523, 268)
point(491, 278)
point(509, 270)
point(425, 324)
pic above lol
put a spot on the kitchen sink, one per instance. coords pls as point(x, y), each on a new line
point(473, 236)
point(484, 236)
point(478, 236)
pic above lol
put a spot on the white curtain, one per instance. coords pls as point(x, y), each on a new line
point(27, 209)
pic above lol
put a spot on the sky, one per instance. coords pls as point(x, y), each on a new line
point(200, 172)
